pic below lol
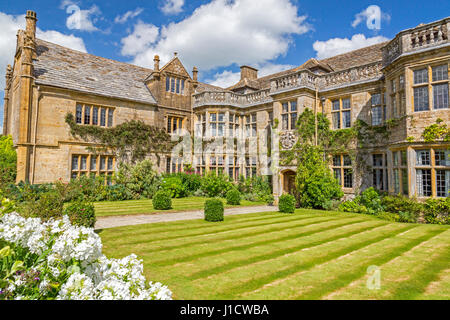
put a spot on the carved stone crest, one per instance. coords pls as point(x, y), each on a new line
point(287, 140)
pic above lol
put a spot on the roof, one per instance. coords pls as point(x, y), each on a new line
point(340, 62)
point(66, 68)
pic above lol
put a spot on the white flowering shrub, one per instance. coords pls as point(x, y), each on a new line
point(56, 260)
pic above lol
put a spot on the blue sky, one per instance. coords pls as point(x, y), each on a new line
point(217, 36)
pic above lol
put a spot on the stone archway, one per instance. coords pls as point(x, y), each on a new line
point(288, 181)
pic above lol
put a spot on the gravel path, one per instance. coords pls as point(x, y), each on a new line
point(121, 221)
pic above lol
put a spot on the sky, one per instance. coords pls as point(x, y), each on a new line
point(216, 36)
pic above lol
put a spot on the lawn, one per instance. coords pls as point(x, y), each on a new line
point(133, 207)
point(308, 255)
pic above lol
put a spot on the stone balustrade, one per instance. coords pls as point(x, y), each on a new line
point(300, 79)
point(422, 37)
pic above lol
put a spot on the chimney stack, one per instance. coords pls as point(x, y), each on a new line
point(156, 61)
point(249, 73)
point(195, 74)
point(31, 24)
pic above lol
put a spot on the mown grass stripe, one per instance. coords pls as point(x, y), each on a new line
point(416, 285)
point(257, 283)
point(194, 224)
point(190, 257)
point(348, 276)
point(222, 229)
point(278, 253)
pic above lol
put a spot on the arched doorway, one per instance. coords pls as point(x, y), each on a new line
point(288, 181)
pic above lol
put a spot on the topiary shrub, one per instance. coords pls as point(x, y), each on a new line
point(286, 203)
point(234, 197)
point(162, 200)
point(214, 211)
point(81, 214)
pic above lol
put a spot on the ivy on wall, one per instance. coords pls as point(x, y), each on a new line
point(437, 132)
point(131, 141)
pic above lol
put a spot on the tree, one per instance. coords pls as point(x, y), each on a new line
point(8, 161)
point(315, 183)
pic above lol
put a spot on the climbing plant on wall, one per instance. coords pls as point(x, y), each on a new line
point(131, 141)
point(437, 132)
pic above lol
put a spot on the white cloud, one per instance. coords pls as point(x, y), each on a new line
point(68, 41)
point(82, 20)
point(224, 32)
point(228, 78)
point(143, 35)
point(173, 6)
point(373, 16)
point(128, 15)
point(335, 46)
point(9, 24)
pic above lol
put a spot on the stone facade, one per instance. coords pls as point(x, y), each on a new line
point(404, 79)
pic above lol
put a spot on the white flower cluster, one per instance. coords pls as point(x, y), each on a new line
point(77, 252)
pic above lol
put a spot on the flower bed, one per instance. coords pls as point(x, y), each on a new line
point(56, 260)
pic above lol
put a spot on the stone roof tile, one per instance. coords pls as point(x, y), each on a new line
point(65, 68)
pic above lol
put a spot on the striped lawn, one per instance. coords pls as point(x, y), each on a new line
point(134, 207)
point(308, 255)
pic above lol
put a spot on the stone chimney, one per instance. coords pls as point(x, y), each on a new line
point(31, 24)
point(249, 73)
point(195, 74)
point(156, 63)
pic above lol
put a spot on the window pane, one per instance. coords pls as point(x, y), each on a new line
point(254, 117)
point(405, 183)
point(347, 161)
point(168, 84)
point(293, 106)
point(337, 161)
point(285, 121)
point(396, 181)
point(442, 158)
point(87, 115)
point(424, 183)
point(102, 163)
point(348, 178)
point(221, 117)
point(169, 124)
point(336, 105)
point(95, 116)
point(423, 157)
point(293, 120)
point(440, 73)
point(74, 163)
point(103, 117)
point(336, 120)
point(83, 163)
point(440, 96)
point(377, 116)
point(93, 163)
point(346, 104)
point(346, 119)
point(285, 107)
point(110, 164)
point(172, 85)
point(442, 183)
point(213, 129)
point(404, 158)
point(377, 160)
point(110, 117)
point(376, 99)
point(213, 117)
point(182, 86)
point(337, 175)
point(421, 76)
point(79, 113)
point(178, 85)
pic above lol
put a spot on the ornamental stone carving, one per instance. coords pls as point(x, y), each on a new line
point(288, 140)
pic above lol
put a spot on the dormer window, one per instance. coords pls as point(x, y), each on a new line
point(175, 85)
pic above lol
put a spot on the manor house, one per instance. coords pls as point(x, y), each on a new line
point(403, 81)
